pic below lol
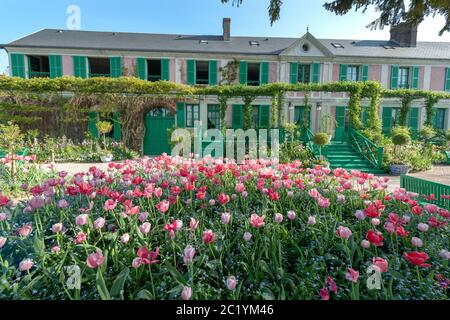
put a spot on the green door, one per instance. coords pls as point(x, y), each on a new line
point(342, 124)
point(156, 140)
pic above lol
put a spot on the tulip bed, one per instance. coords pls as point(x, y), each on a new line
point(168, 228)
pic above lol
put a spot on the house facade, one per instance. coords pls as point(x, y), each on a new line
point(400, 62)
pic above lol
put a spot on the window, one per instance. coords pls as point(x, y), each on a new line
point(304, 73)
point(213, 116)
point(353, 73)
point(202, 72)
point(39, 67)
point(439, 122)
point(192, 114)
point(337, 45)
point(99, 67)
point(253, 74)
point(255, 116)
point(254, 43)
point(154, 70)
point(403, 78)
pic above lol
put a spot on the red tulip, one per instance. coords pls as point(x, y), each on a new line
point(223, 199)
point(376, 238)
point(208, 236)
point(417, 258)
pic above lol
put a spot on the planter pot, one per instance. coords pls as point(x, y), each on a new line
point(399, 169)
point(106, 158)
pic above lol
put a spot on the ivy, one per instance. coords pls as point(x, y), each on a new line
point(354, 108)
point(430, 102)
point(248, 112)
point(404, 109)
point(374, 122)
point(223, 112)
point(274, 113)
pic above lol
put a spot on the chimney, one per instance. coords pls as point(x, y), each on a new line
point(405, 34)
point(226, 29)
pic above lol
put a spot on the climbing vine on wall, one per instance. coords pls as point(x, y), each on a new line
point(374, 123)
point(274, 113)
point(354, 108)
point(430, 102)
point(248, 112)
point(404, 109)
point(223, 112)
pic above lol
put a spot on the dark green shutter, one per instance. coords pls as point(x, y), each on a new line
point(165, 69)
point(447, 79)
point(191, 72)
point(117, 126)
point(79, 67)
point(180, 115)
point(18, 65)
point(142, 71)
point(55, 63)
point(264, 116)
point(237, 116)
point(365, 73)
point(415, 77)
point(394, 77)
point(343, 72)
point(294, 73)
point(315, 75)
point(92, 123)
point(413, 119)
point(212, 73)
point(243, 67)
point(115, 66)
point(264, 73)
point(387, 119)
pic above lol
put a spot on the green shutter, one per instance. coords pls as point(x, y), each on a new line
point(413, 119)
point(55, 63)
point(92, 123)
point(212, 73)
point(365, 73)
point(447, 79)
point(415, 77)
point(264, 73)
point(18, 65)
point(264, 116)
point(343, 72)
point(294, 73)
point(237, 116)
point(394, 77)
point(142, 70)
point(315, 75)
point(387, 119)
point(79, 67)
point(180, 115)
point(165, 69)
point(117, 126)
point(243, 67)
point(191, 72)
point(115, 66)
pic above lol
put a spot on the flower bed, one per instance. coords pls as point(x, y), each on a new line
point(168, 228)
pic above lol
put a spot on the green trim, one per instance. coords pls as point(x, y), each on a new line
point(365, 73)
point(243, 72)
point(293, 73)
point(191, 72)
point(264, 73)
point(415, 78)
point(18, 65)
point(447, 80)
point(343, 72)
point(79, 67)
point(55, 63)
point(115, 67)
point(165, 69)
point(212, 73)
point(142, 68)
point(315, 75)
point(394, 77)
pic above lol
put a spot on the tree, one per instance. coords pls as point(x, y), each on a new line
point(392, 12)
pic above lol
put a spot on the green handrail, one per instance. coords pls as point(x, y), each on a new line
point(308, 140)
point(366, 148)
point(425, 187)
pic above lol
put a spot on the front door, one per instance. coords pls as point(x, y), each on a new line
point(342, 124)
point(156, 140)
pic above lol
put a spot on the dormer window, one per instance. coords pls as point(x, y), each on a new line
point(337, 45)
point(254, 43)
point(203, 41)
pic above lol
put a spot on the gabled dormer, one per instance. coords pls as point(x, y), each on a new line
point(306, 46)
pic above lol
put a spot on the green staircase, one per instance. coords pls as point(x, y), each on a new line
point(341, 155)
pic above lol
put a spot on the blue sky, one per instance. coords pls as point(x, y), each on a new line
point(22, 17)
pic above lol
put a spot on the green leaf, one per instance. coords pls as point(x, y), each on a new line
point(119, 283)
point(101, 286)
point(176, 274)
point(144, 294)
point(38, 245)
point(267, 294)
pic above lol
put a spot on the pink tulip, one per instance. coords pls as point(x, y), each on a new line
point(352, 275)
point(365, 244)
point(208, 236)
point(380, 263)
point(313, 193)
point(2, 242)
point(193, 224)
point(360, 215)
point(312, 221)
point(423, 227)
point(417, 242)
point(57, 227)
point(145, 228)
point(25, 230)
point(80, 238)
point(62, 204)
point(186, 293)
point(225, 218)
point(223, 199)
point(36, 203)
point(26, 265)
point(231, 283)
point(143, 216)
point(82, 219)
point(257, 221)
point(3, 216)
point(278, 218)
point(163, 206)
point(247, 236)
point(94, 260)
point(110, 205)
point(56, 249)
point(189, 253)
point(99, 223)
point(375, 221)
point(344, 232)
point(291, 215)
point(239, 188)
point(125, 238)
point(444, 254)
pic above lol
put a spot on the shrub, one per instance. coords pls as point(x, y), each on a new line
point(401, 136)
point(321, 139)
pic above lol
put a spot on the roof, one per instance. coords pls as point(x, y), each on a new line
point(71, 39)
